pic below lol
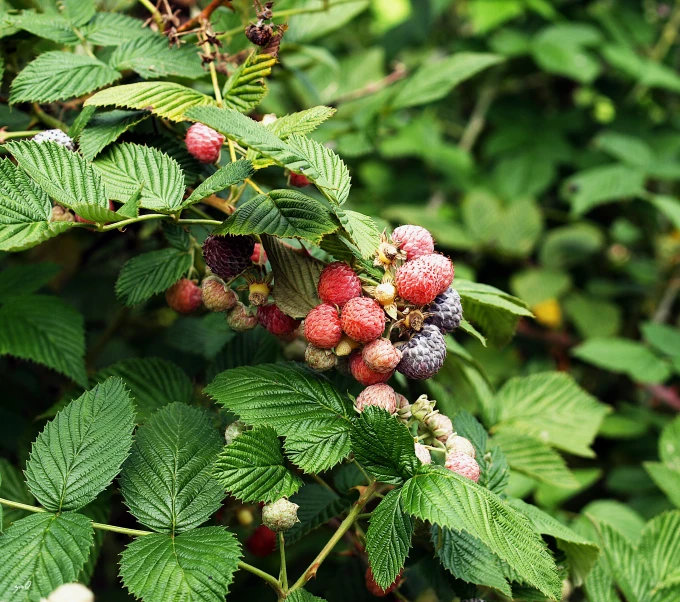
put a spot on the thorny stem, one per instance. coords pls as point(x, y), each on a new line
point(283, 572)
point(155, 14)
point(342, 529)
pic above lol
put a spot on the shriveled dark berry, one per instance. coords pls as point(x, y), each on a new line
point(228, 256)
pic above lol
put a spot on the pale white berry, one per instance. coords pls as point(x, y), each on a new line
point(280, 515)
point(233, 431)
point(423, 454)
point(56, 136)
point(440, 426)
point(456, 443)
point(71, 592)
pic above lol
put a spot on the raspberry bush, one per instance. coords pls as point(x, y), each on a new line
point(231, 368)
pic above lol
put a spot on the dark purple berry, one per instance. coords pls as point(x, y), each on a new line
point(228, 256)
point(446, 311)
point(424, 354)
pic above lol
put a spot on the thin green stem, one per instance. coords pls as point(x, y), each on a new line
point(283, 572)
point(4, 136)
point(132, 220)
point(157, 17)
point(213, 76)
point(337, 536)
point(271, 580)
point(20, 506)
point(365, 516)
point(207, 222)
point(53, 122)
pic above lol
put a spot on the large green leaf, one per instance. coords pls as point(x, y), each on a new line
point(112, 29)
point(553, 408)
point(80, 452)
point(46, 330)
point(62, 174)
point(449, 500)
point(660, 545)
point(151, 57)
point(602, 184)
point(281, 213)
point(167, 481)
point(197, 566)
point(165, 99)
point(226, 176)
point(246, 86)
point(49, 26)
point(41, 552)
point(252, 468)
point(563, 49)
point(105, 128)
point(13, 487)
point(388, 539)
point(384, 446)
point(150, 273)
point(25, 211)
point(125, 168)
point(362, 229)
point(60, 75)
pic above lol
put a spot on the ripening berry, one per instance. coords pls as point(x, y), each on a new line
point(262, 542)
point(456, 444)
point(423, 454)
point(217, 296)
point(56, 136)
point(204, 143)
point(385, 293)
point(362, 319)
point(259, 34)
point(440, 426)
point(320, 359)
point(380, 355)
point(228, 256)
point(71, 592)
point(375, 589)
point(240, 318)
point(280, 515)
point(259, 256)
point(414, 240)
point(463, 465)
point(322, 326)
point(338, 284)
point(185, 296)
point(258, 293)
point(275, 321)
point(424, 354)
point(299, 180)
point(361, 372)
point(380, 395)
point(419, 281)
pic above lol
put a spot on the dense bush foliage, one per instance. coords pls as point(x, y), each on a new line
point(537, 141)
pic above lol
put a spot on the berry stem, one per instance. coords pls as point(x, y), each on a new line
point(4, 136)
point(213, 76)
point(272, 581)
point(283, 573)
point(157, 17)
point(337, 536)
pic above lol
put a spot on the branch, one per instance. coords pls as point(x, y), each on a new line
point(204, 15)
point(478, 118)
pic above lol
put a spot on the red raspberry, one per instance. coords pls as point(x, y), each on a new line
point(380, 395)
point(259, 256)
point(421, 280)
point(423, 454)
point(362, 319)
point(363, 373)
point(185, 296)
point(275, 321)
point(228, 256)
point(380, 355)
point(298, 180)
point(217, 296)
point(82, 220)
point(204, 143)
point(322, 327)
point(262, 542)
point(414, 240)
point(375, 589)
point(338, 284)
point(464, 465)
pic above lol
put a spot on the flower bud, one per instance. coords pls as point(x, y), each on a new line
point(280, 515)
point(440, 426)
point(422, 407)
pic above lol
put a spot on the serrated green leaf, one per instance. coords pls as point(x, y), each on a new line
point(384, 446)
point(281, 213)
point(388, 539)
point(59, 75)
point(80, 452)
point(362, 230)
point(130, 208)
point(553, 408)
point(41, 552)
point(144, 276)
point(126, 167)
point(246, 87)
point(226, 176)
point(97, 214)
point(449, 500)
point(25, 211)
point(467, 558)
point(581, 553)
point(319, 449)
point(252, 468)
point(204, 336)
point(250, 348)
point(105, 128)
point(167, 481)
point(302, 122)
point(13, 487)
point(45, 330)
point(78, 12)
point(152, 381)
point(165, 99)
point(62, 174)
point(300, 595)
point(152, 57)
point(198, 565)
point(318, 505)
point(435, 80)
point(177, 236)
point(79, 123)
point(297, 277)
point(48, 26)
point(112, 29)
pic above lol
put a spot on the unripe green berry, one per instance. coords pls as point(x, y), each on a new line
point(280, 515)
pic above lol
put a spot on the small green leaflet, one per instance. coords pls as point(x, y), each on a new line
point(252, 468)
point(105, 128)
point(80, 452)
point(197, 565)
point(167, 481)
point(246, 87)
point(300, 595)
point(302, 122)
point(48, 26)
point(281, 213)
point(226, 176)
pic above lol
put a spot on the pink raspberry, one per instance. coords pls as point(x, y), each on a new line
point(363, 373)
point(362, 319)
point(259, 256)
point(380, 395)
point(322, 327)
point(338, 284)
point(463, 465)
point(185, 296)
point(380, 355)
point(414, 241)
point(421, 280)
point(217, 296)
point(423, 454)
point(275, 321)
point(204, 143)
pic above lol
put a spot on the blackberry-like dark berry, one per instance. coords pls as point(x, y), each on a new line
point(446, 310)
point(228, 256)
point(424, 355)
